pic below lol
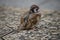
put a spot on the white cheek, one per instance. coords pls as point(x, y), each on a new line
point(35, 10)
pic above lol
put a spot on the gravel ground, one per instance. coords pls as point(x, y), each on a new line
point(48, 27)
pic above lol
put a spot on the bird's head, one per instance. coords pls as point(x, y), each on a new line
point(34, 8)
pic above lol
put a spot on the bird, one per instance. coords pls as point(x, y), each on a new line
point(28, 21)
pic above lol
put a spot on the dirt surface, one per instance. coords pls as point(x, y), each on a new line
point(48, 27)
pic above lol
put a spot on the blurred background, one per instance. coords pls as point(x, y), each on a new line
point(45, 4)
